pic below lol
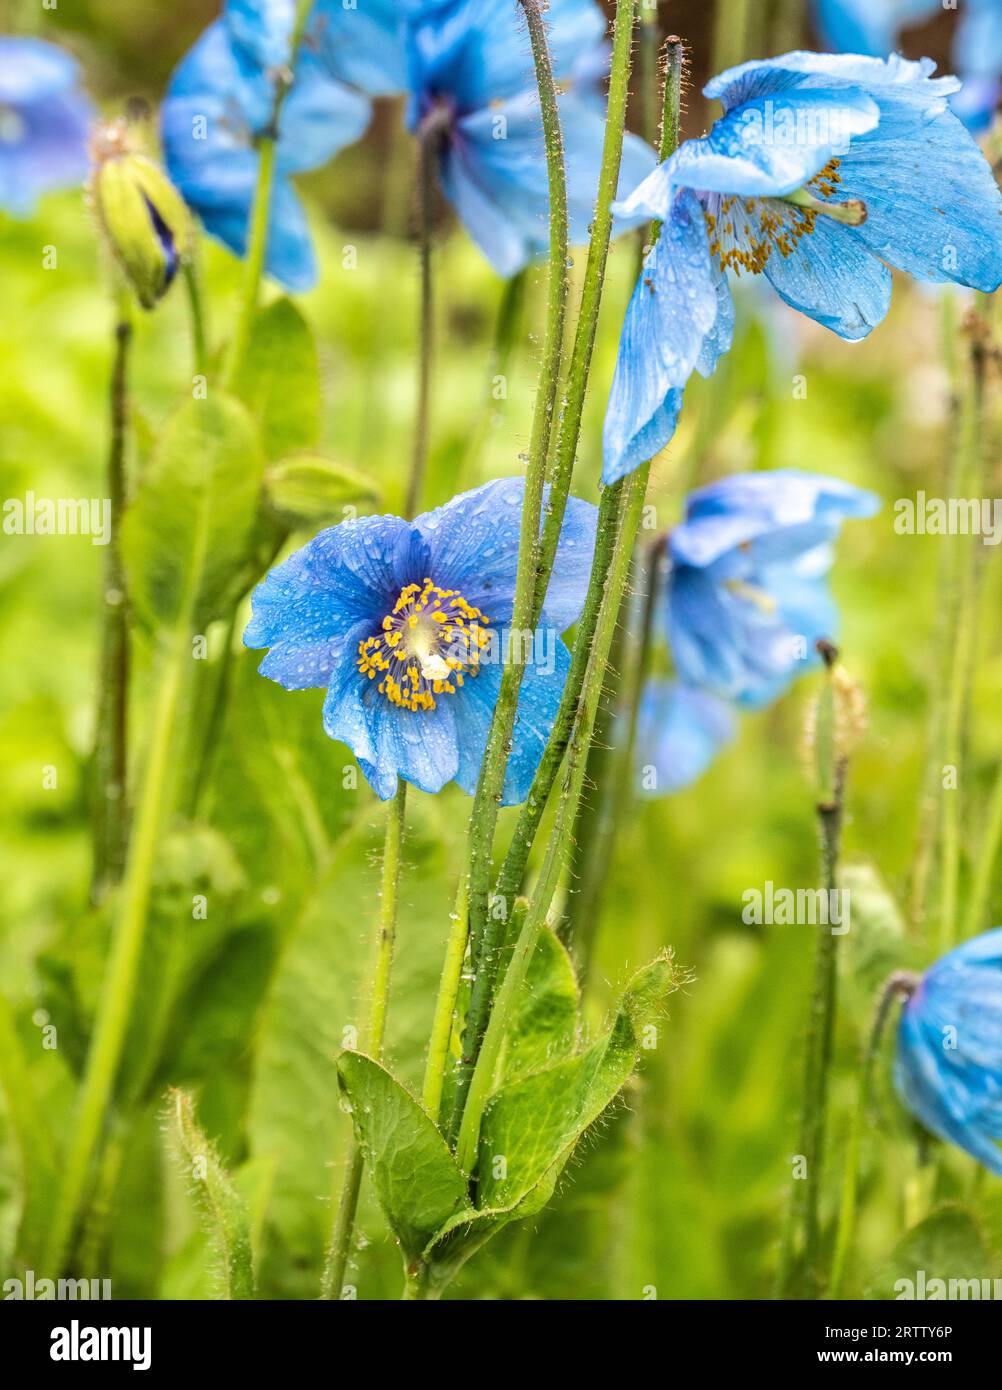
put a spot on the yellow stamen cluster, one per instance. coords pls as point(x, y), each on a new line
point(744, 232)
point(430, 640)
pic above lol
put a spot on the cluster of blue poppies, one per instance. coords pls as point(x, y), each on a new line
point(463, 69)
point(823, 172)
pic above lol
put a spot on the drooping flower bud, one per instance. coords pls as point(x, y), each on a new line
point(143, 217)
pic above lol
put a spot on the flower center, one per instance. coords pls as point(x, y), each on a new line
point(430, 640)
point(744, 232)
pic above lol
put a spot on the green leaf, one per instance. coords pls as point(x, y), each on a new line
point(419, 1185)
point(187, 533)
point(530, 1127)
point(308, 489)
point(545, 1018)
point(948, 1244)
point(534, 1123)
point(223, 1210)
point(279, 379)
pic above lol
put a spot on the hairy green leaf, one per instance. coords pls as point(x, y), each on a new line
point(417, 1180)
point(223, 1210)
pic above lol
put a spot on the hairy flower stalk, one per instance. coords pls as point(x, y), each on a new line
point(111, 741)
point(632, 493)
point(483, 818)
point(566, 441)
point(513, 868)
point(372, 1041)
point(836, 725)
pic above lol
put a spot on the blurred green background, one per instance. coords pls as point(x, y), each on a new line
point(683, 1188)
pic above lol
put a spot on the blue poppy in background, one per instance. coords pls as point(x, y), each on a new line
point(680, 730)
point(217, 105)
point(874, 27)
point(472, 81)
point(361, 44)
point(746, 591)
point(948, 1063)
point(404, 622)
point(44, 122)
point(823, 172)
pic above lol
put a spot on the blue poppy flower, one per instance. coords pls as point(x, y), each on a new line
point(746, 592)
point(44, 122)
point(217, 104)
point(823, 171)
point(948, 1063)
point(472, 81)
point(874, 27)
point(680, 730)
point(404, 623)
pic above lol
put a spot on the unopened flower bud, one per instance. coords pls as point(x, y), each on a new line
point(836, 723)
point(142, 215)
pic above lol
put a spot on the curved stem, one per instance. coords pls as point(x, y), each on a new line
point(483, 818)
point(120, 980)
point(631, 495)
point(344, 1222)
point(111, 736)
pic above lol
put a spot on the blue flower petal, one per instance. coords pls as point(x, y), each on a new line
point(746, 592)
point(215, 106)
point(542, 685)
point(767, 147)
point(493, 171)
point(32, 69)
point(934, 207)
point(262, 29)
point(671, 326)
point(680, 731)
point(47, 123)
point(308, 608)
point(804, 70)
point(319, 118)
point(362, 45)
point(476, 54)
point(832, 276)
point(418, 745)
point(745, 507)
point(948, 1063)
point(473, 546)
